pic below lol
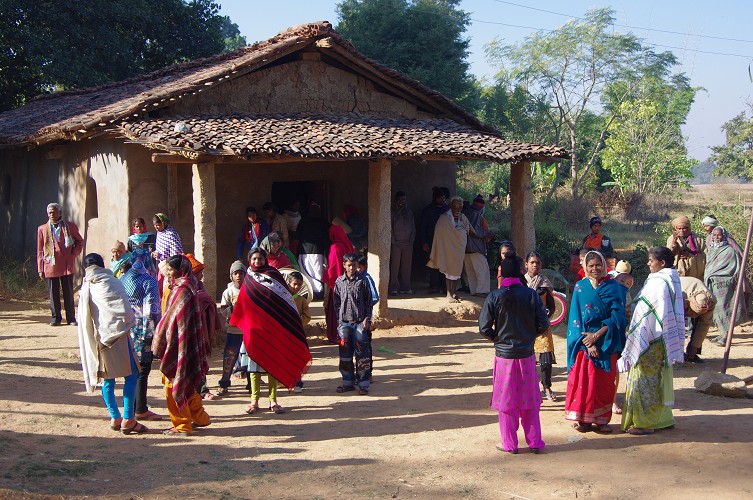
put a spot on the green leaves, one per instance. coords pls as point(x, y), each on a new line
point(60, 45)
point(735, 157)
point(421, 38)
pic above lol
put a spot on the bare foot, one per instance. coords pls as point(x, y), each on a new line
point(453, 300)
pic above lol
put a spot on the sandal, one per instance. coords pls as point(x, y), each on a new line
point(275, 408)
point(172, 431)
point(139, 428)
point(222, 391)
point(149, 415)
point(345, 388)
point(602, 429)
point(115, 424)
point(363, 391)
point(551, 396)
point(635, 431)
point(581, 427)
point(209, 396)
point(252, 408)
point(616, 409)
point(513, 451)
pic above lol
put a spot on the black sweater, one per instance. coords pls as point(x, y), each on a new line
point(513, 327)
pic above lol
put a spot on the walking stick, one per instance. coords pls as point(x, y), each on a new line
point(736, 300)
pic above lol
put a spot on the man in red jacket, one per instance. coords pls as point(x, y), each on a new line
point(58, 244)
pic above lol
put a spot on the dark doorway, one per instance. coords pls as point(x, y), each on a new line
point(284, 194)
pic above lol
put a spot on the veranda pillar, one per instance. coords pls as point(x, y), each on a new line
point(205, 222)
point(523, 233)
point(380, 229)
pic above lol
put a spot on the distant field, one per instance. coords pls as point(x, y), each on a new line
point(726, 194)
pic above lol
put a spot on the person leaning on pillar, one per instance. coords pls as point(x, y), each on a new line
point(58, 244)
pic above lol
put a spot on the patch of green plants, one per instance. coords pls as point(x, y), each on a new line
point(19, 279)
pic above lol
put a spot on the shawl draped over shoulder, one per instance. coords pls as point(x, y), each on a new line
point(179, 339)
point(448, 248)
point(105, 316)
point(272, 330)
point(658, 316)
point(590, 309)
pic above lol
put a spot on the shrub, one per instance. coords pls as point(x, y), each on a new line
point(20, 279)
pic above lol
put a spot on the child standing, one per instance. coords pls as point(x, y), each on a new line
point(362, 268)
point(353, 305)
point(234, 335)
point(543, 346)
point(295, 282)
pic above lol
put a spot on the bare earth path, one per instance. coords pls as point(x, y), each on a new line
point(424, 431)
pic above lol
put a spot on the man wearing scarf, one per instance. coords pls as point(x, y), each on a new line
point(58, 244)
point(476, 266)
point(688, 249)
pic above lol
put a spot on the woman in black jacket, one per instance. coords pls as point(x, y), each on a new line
point(512, 317)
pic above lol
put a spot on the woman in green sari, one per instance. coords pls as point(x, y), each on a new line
point(720, 277)
point(654, 342)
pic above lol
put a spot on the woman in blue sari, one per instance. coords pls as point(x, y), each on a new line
point(595, 338)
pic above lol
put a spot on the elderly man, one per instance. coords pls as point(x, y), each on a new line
point(688, 249)
point(58, 244)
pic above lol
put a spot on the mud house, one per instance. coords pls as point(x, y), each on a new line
point(301, 115)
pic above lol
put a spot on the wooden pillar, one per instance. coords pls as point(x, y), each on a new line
point(523, 233)
point(205, 223)
point(380, 229)
point(172, 193)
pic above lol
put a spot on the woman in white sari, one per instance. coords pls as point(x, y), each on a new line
point(654, 342)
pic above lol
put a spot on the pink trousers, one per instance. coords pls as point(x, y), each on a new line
point(508, 428)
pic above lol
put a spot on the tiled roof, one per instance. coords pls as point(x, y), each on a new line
point(75, 114)
point(329, 136)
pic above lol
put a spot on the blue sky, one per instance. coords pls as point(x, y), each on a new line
point(698, 27)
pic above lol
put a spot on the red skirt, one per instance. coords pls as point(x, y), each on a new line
point(590, 391)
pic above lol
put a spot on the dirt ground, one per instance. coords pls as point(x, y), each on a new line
point(424, 431)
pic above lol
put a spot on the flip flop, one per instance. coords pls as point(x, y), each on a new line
point(115, 424)
point(172, 431)
point(512, 452)
point(602, 429)
point(275, 408)
point(252, 408)
point(139, 428)
point(363, 391)
point(639, 432)
point(581, 428)
point(616, 409)
point(345, 388)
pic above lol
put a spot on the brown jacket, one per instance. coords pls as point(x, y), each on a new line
point(65, 257)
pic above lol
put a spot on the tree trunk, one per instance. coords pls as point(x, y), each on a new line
point(574, 164)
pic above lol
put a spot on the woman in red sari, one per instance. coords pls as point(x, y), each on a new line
point(340, 246)
point(595, 339)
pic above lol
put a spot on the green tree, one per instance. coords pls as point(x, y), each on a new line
point(735, 157)
point(421, 38)
point(569, 68)
point(645, 152)
point(50, 45)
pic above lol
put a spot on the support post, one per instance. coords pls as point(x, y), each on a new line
point(380, 229)
point(172, 193)
point(205, 222)
point(523, 233)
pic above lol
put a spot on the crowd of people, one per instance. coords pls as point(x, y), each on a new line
point(691, 284)
point(149, 302)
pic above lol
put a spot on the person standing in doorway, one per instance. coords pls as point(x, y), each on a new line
point(58, 245)
point(401, 252)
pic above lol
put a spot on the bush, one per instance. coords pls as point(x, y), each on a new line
point(20, 279)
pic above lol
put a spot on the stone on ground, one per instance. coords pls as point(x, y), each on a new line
point(721, 384)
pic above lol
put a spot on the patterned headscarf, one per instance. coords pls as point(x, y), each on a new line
point(163, 219)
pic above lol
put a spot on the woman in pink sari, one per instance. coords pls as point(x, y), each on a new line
point(340, 246)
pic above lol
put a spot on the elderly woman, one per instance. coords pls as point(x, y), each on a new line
point(720, 277)
point(595, 337)
point(655, 339)
point(448, 248)
point(119, 258)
